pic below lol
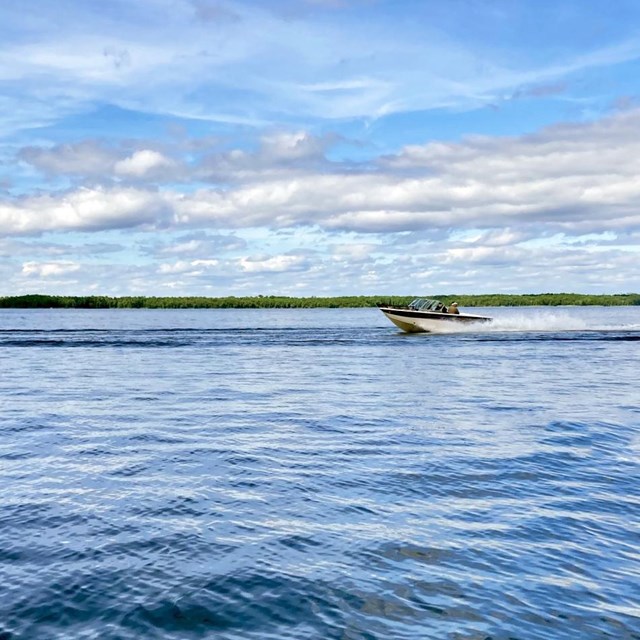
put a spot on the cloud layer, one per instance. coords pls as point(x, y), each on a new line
point(205, 146)
point(574, 179)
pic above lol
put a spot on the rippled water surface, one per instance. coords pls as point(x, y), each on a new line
point(315, 474)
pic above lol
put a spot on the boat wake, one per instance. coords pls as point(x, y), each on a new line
point(539, 321)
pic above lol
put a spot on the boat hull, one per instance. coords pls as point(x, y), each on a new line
point(413, 321)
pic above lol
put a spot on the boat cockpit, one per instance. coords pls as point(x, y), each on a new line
point(425, 304)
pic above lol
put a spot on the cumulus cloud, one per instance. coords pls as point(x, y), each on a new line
point(274, 264)
point(156, 85)
point(535, 208)
point(574, 178)
point(84, 210)
point(281, 153)
point(86, 158)
point(95, 160)
point(391, 267)
point(47, 269)
point(144, 163)
point(293, 146)
point(355, 251)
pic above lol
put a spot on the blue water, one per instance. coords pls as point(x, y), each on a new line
point(315, 474)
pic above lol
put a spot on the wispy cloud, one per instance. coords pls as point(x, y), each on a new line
point(242, 60)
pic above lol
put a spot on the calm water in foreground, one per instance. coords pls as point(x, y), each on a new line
point(315, 474)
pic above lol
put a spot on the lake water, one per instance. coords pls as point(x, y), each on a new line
point(315, 474)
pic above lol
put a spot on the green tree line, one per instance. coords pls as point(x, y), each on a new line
point(40, 301)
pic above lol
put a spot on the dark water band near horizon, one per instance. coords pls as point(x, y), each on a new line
point(316, 474)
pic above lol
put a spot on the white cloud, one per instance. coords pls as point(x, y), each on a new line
point(186, 247)
point(558, 208)
point(274, 264)
point(414, 266)
point(85, 158)
point(47, 269)
point(143, 163)
point(484, 254)
point(188, 267)
point(574, 179)
point(292, 146)
point(181, 266)
point(279, 154)
point(95, 160)
point(84, 209)
point(206, 263)
point(355, 251)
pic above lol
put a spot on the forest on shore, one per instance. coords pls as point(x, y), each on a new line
point(40, 301)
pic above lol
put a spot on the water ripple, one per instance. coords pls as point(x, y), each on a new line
point(315, 475)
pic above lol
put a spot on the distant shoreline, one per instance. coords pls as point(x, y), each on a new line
point(40, 301)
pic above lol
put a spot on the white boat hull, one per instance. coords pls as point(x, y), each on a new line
point(425, 322)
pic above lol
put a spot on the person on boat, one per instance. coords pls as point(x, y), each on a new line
point(453, 308)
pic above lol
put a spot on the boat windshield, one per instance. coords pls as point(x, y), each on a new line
point(426, 304)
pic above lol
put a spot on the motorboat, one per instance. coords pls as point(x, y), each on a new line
point(430, 316)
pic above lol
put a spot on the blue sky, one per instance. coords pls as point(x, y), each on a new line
point(319, 147)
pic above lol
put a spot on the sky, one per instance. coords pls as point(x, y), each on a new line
point(319, 147)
